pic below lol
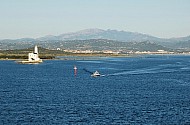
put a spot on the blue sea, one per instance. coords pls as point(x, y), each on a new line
point(151, 90)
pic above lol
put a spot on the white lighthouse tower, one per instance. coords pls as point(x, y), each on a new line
point(35, 50)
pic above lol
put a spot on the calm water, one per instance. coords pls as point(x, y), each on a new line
point(138, 90)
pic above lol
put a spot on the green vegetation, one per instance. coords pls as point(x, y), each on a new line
point(7, 56)
point(23, 53)
point(46, 54)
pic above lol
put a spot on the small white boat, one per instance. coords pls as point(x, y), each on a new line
point(95, 74)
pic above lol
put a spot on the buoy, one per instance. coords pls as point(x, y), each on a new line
point(75, 70)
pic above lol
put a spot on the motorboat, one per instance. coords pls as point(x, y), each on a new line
point(95, 74)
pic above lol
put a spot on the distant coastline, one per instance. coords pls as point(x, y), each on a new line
point(80, 56)
point(56, 56)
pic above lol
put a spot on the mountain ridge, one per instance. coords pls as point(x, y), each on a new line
point(124, 36)
point(95, 33)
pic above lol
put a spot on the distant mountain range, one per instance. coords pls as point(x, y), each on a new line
point(124, 36)
point(109, 34)
point(102, 34)
point(91, 34)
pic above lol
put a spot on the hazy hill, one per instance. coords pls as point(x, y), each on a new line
point(90, 44)
point(181, 38)
point(91, 36)
point(102, 34)
point(104, 44)
point(124, 36)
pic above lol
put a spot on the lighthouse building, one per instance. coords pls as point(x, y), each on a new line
point(34, 56)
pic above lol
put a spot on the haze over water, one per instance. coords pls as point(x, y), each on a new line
point(136, 90)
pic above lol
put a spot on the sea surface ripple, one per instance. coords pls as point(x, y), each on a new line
point(136, 90)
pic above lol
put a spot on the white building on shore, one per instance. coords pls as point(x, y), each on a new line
point(32, 57)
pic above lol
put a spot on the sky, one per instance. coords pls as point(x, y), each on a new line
point(38, 18)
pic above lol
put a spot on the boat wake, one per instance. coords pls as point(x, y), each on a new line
point(153, 70)
point(167, 68)
point(87, 71)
